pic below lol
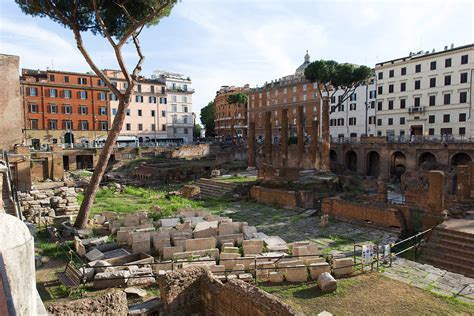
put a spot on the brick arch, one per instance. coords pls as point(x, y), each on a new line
point(426, 156)
point(350, 160)
point(372, 166)
point(460, 158)
point(398, 163)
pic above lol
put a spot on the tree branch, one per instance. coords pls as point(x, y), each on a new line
point(102, 24)
point(138, 67)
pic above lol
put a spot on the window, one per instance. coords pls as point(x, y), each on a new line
point(403, 86)
point(53, 124)
point(186, 131)
point(139, 88)
point(32, 92)
point(139, 112)
point(82, 109)
point(380, 75)
point(417, 101)
point(352, 121)
point(463, 77)
point(66, 79)
point(67, 94)
point(353, 107)
point(446, 131)
point(153, 127)
point(53, 108)
point(163, 127)
point(100, 83)
point(403, 103)
point(104, 125)
point(390, 121)
point(185, 99)
point(447, 99)
point(185, 109)
point(379, 122)
point(114, 111)
point(432, 82)
point(174, 108)
point(33, 108)
point(433, 65)
point(380, 90)
point(390, 88)
point(371, 119)
point(463, 97)
point(462, 117)
point(67, 109)
point(402, 121)
point(173, 98)
point(447, 62)
point(390, 104)
point(102, 96)
point(140, 127)
point(447, 80)
point(446, 118)
point(379, 106)
point(372, 105)
point(431, 131)
point(103, 110)
point(151, 99)
point(391, 73)
point(113, 97)
point(462, 131)
point(333, 99)
point(153, 113)
point(403, 71)
point(128, 112)
point(51, 78)
point(341, 107)
point(185, 120)
point(432, 100)
point(152, 89)
point(418, 68)
point(417, 84)
point(68, 124)
point(163, 101)
point(464, 59)
point(431, 119)
point(53, 93)
point(163, 113)
point(82, 80)
point(128, 126)
point(139, 98)
point(83, 95)
point(163, 90)
point(294, 89)
point(34, 124)
point(372, 94)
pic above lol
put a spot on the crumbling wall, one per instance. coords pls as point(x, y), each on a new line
point(111, 303)
point(196, 291)
point(281, 197)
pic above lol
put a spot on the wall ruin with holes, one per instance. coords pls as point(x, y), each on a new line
point(196, 291)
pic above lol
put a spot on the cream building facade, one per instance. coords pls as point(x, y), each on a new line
point(427, 93)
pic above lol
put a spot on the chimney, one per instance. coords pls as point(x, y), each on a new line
point(452, 45)
point(445, 47)
point(433, 51)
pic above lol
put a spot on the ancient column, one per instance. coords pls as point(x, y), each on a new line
point(284, 138)
point(300, 131)
point(315, 158)
point(381, 191)
point(251, 140)
point(326, 142)
point(462, 183)
point(268, 137)
point(471, 176)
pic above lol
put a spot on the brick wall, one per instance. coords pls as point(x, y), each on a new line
point(303, 199)
point(111, 303)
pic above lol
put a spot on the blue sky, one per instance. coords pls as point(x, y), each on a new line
point(231, 42)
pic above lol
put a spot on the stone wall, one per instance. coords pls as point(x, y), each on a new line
point(281, 197)
point(380, 214)
point(111, 303)
point(196, 291)
point(11, 113)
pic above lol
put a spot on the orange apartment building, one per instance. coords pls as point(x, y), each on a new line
point(63, 107)
point(228, 114)
point(288, 92)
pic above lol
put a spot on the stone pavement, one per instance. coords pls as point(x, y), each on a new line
point(291, 226)
point(430, 278)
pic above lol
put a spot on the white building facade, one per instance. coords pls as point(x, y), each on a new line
point(356, 115)
point(426, 94)
point(179, 114)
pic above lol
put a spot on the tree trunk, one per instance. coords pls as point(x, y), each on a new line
point(101, 166)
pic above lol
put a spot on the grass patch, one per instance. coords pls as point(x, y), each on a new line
point(153, 290)
point(51, 249)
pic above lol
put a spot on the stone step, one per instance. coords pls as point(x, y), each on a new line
point(452, 255)
point(448, 243)
point(218, 183)
point(453, 235)
point(215, 186)
point(449, 265)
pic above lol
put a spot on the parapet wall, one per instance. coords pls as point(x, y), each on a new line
point(196, 291)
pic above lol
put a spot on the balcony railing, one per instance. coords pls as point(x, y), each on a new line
point(416, 109)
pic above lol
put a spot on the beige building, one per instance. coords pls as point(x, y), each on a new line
point(11, 113)
point(426, 93)
point(146, 115)
point(179, 114)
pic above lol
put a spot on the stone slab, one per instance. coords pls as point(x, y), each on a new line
point(169, 222)
point(94, 255)
point(200, 243)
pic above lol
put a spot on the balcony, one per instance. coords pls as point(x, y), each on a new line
point(179, 89)
point(416, 109)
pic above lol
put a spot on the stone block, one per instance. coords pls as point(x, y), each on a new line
point(326, 282)
point(229, 228)
point(342, 266)
point(297, 273)
point(248, 231)
point(99, 265)
point(180, 242)
point(315, 260)
point(168, 252)
point(99, 219)
point(213, 253)
point(248, 262)
point(94, 255)
point(159, 243)
point(230, 249)
point(131, 220)
point(122, 236)
point(252, 247)
point(226, 259)
point(169, 222)
point(200, 243)
point(246, 277)
point(238, 269)
point(163, 266)
point(315, 269)
point(116, 253)
point(218, 269)
point(105, 280)
point(205, 229)
point(138, 237)
point(235, 238)
point(275, 243)
point(275, 277)
point(141, 246)
point(227, 244)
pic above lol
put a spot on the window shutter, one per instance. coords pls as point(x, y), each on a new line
point(28, 91)
point(47, 92)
